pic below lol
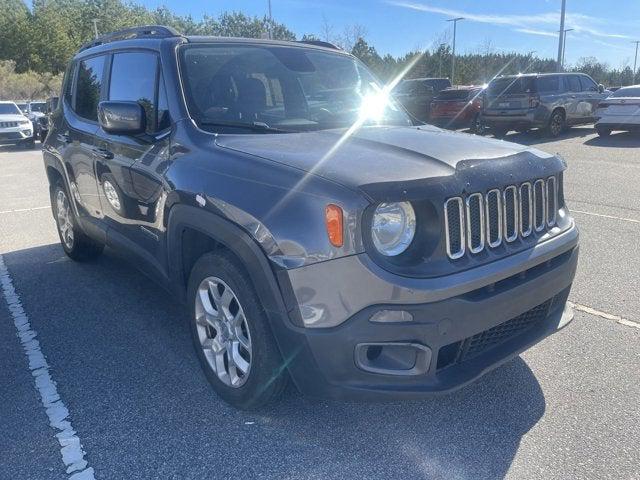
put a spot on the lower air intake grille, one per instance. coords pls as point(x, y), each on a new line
point(471, 347)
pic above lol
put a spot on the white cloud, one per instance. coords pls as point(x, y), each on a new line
point(521, 23)
point(542, 33)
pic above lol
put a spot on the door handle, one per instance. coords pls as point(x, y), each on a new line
point(103, 153)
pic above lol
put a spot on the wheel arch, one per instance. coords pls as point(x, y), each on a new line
point(193, 231)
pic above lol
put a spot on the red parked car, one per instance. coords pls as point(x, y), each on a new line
point(458, 107)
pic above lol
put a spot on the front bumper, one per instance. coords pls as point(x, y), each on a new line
point(14, 135)
point(459, 331)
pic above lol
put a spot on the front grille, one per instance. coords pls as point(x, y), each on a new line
point(471, 347)
point(488, 220)
point(8, 124)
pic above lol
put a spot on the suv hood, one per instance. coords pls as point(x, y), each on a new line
point(374, 154)
point(13, 118)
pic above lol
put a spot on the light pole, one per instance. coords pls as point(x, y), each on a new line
point(270, 20)
point(564, 44)
point(453, 52)
point(95, 27)
point(561, 37)
point(635, 62)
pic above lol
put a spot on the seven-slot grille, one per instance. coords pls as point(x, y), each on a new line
point(487, 220)
point(8, 124)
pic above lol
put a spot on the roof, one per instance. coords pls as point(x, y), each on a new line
point(151, 35)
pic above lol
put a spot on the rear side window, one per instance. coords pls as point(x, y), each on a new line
point(133, 78)
point(573, 83)
point(548, 84)
point(88, 86)
point(512, 85)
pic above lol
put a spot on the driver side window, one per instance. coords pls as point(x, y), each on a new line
point(588, 85)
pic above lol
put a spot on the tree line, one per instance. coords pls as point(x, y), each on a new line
point(37, 43)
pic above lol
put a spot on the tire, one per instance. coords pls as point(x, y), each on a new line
point(219, 283)
point(74, 242)
point(43, 136)
point(477, 125)
point(30, 144)
point(603, 132)
point(500, 132)
point(556, 124)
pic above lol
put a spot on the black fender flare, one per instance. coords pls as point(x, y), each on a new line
point(273, 289)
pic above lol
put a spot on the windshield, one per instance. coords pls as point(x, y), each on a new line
point(38, 107)
point(9, 109)
point(22, 107)
point(284, 88)
point(627, 92)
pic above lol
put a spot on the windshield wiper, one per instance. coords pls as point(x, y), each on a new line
point(253, 126)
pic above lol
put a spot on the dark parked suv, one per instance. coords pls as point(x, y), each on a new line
point(314, 233)
point(551, 101)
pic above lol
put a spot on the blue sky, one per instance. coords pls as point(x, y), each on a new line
point(602, 28)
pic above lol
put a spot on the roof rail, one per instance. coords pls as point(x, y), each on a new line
point(147, 31)
point(320, 43)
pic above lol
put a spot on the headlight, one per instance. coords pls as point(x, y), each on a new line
point(25, 122)
point(393, 227)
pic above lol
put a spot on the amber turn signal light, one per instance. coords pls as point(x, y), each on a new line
point(333, 220)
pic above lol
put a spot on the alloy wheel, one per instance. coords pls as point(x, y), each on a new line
point(223, 331)
point(64, 219)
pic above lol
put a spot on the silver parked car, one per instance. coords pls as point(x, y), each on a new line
point(552, 101)
point(621, 111)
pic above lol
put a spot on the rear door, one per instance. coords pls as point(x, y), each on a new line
point(130, 167)
point(76, 138)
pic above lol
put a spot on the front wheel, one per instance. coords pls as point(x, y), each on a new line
point(231, 333)
point(75, 243)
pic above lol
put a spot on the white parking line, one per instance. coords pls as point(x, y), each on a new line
point(632, 220)
point(608, 316)
point(70, 446)
point(24, 209)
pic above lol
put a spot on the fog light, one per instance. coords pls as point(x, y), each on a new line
point(27, 132)
point(393, 358)
point(391, 316)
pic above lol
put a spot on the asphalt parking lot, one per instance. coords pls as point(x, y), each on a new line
point(119, 353)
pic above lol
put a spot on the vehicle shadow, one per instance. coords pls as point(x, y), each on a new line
point(121, 354)
point(617, 140)
point(540, 137)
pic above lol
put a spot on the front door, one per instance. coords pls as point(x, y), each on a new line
point(130, 168)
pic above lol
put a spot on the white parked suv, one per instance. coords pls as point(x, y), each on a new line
point(15, 127)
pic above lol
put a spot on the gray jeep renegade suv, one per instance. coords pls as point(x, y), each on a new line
point(313, 232)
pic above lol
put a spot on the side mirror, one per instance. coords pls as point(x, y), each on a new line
point(600, 88)
point(122, 118)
